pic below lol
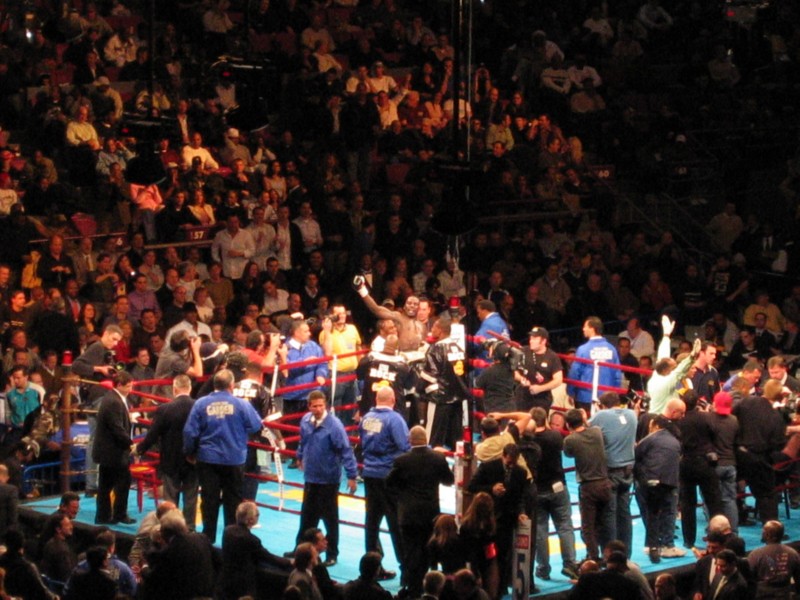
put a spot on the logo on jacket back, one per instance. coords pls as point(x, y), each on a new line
point(219, 410)
point(601, 353)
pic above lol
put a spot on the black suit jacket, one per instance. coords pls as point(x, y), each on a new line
point(734, 589)
point(702, 581)
point(167, 432)
point(112, 438)
point(242, 555)
point(183, 570)
point(511, 504)
point(414, 480)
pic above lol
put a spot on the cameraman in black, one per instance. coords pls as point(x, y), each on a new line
point(539, 374)
point(497, 381)
point(96, 363)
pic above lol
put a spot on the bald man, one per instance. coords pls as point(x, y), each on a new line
point(409, 329)
point(414, 482)
point(774, 565)
point(384, 437)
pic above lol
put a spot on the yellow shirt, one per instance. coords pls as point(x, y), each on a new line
point(343, 342)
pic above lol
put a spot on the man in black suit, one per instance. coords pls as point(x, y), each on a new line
point(414, 481)
point(507, 483)
point(185, 568)
point(112, 452)
point(728, 583)
point(178, 475)
point(705, 569)
point(244, 558)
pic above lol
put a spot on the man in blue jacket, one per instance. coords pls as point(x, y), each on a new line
point(384, 437)
point(597, 348)
point(324, 449)
point(490, 321)
point(216, 435)
point(300, 347)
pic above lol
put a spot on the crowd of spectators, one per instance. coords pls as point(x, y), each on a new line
point(325, 154)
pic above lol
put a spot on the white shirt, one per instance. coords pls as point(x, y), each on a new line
point(233, 266)
point(277, 304)
point(641, 345)
point(263, 236)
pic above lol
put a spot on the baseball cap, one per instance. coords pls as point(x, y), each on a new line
point(539, 332)
point(189, 307)
point(723, 403)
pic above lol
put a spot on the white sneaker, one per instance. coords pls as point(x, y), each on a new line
point(672, 552)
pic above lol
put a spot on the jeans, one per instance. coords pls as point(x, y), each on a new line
point(556, 506)
point(345, 394)
point(618, 522)
point(727, 485)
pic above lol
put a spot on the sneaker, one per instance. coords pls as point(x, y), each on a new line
point(570, 572)
point(654, 556)
point(543, 575)
point(672, 552)
point(385, 575)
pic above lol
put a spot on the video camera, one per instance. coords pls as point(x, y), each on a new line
point(507, 354)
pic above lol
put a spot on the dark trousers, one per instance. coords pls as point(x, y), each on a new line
point(593, 500)
point(220, 484)
point(321, 501)
point(115, 478)
point(250, 484)
point(446, 428)
point(657, 500)
point(379, 505)
point(414, 565)
point(756, 469)
point(183, 483)
point(697, 471)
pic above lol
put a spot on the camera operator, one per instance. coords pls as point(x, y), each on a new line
point(96, 363)
point(497, 381)
point(181, 358)
point(539, 374)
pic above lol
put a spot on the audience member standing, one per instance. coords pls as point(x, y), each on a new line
point(657, 460)
point(594, 488)
point(697, 468)
point(178, 475)
point(761, 433)
point(618, 424)
point(414, 481)
point(726, 429)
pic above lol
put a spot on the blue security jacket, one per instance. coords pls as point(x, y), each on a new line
point(597, 348)
point(218, 427)
point(384, 437)
point(307, 374)
point(324, 450)
point(493, 322)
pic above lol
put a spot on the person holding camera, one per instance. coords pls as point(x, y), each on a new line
point(539, 374)
point(182, 357)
